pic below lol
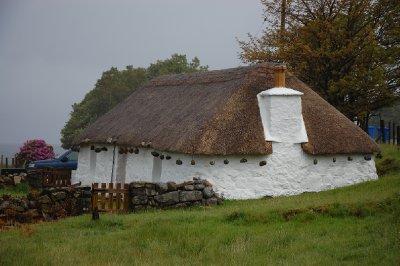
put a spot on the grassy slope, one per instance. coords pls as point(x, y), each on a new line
point(389, 150)
point(239, 232)
point(390, 162)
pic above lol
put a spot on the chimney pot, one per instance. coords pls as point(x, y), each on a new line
point(280, 76)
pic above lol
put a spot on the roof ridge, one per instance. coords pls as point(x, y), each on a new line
point(206, 77)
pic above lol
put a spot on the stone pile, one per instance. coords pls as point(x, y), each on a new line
point(12, 179)
point(20, 210)
point(56, 203)
point(145, 195)
point(48, 204)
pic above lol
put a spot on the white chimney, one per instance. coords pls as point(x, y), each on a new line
point(280, 110)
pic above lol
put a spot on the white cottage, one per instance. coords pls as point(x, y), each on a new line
point(241, 128)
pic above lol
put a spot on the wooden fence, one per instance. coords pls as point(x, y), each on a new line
point(55, 177)
point(388, 132)
point(109, 197)
point(6, 162)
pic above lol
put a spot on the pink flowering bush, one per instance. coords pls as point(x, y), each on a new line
point(34, 150)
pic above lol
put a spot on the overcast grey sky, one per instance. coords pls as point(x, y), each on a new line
point(52, 52)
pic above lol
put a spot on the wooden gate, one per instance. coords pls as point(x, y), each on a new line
point(109, 198)
point(55, 177)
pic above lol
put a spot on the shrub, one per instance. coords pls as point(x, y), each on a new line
point(34, 150)
point(389, 161)
point(387, 165)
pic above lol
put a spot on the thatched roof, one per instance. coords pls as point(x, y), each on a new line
point(217, 113)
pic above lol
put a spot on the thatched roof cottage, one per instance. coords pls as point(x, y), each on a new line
point(240, 128)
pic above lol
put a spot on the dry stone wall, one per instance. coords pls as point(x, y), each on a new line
point(54, 203)
point(145, 195)
point(47, 204)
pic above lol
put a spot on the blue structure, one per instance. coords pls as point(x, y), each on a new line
point(68, 160)
point(374, 132)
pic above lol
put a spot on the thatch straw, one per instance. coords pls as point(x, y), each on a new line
point(216, 113)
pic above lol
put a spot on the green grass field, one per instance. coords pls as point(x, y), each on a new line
point(359, 224)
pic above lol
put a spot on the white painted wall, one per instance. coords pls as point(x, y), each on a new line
point(120, 167)
point(139, 166)
point(281, 116)
point(102, 162)
point(83, 170)
point(288, 171)
point(92, 162)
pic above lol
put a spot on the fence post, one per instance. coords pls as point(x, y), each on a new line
point(390, 132)
point(94, 200)
point(1, 161)
point(394, 133)
point(6, 162)
point(382, 128)
point(398, 136)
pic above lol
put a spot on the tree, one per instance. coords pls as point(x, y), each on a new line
point(33, 150)
point(337, 47)
point(114, 86)
point(174, 65)
point(389, 37)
